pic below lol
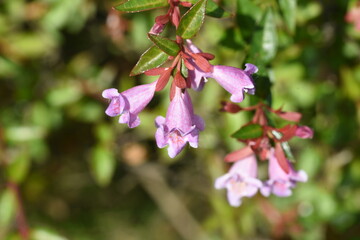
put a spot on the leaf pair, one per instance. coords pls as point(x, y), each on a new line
point(156, 55)
point(212, 10)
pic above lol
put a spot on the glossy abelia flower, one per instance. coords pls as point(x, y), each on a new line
point(234, 80)
point(280, 182)
point(180, 125)
point(241, 180)
point(129, 103)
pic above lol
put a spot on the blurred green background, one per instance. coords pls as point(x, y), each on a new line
point(80, 175)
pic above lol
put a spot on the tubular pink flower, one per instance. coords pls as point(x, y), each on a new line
point(129, 103)
point(280, 183)
point(234, 80)
point(180, 125)
point(241, 181)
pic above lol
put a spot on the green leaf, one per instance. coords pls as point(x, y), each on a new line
point(192, 20)
point(45, 234)
point(184, 70)
point(168, 46)
point(250, 9)
point(213, 10)
point(141, 5)
point(248, 132)
point(102, 165)
point(288, 9)
point(18, 168)
point(150, 59)
point(264, 44)
point(7, 210)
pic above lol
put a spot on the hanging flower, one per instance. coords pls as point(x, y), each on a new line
point(241, 180)
point(129, 103)
point(281, 181)
point(180, 125)
point(234, 80)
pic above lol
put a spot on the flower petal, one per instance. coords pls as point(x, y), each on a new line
point(234, 80)
point(110, 93)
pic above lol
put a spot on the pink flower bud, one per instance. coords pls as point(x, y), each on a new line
point(304, 132)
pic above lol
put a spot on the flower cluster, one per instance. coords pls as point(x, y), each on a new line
point(268, 143)
point(189, 68)
point(185, 67)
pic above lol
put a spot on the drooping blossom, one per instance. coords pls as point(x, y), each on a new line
point(234, 80)
point(180, 126)
point(281, 182)
point(241, 180)
point(129, 103)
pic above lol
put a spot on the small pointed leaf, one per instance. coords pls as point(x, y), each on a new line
point(103, 165)
point(269, 38)
point(288, 9)
point(141, 5)
point(168, 46)
point(150, 59)
point(18, 168)
point(7, 209)
point(248, 132)
point(192, 20)
point(213, 10)
point(281, 158)
point(264, 44)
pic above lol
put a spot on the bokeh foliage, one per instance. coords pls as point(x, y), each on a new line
point(81, 175)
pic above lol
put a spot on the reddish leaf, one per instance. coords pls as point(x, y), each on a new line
point(287, 132)
point(172, 91)
point(188, 65)
point(229, 107)
point(176, 16)
point(280, 156)
point(162, 19)
point(239, 154)
point(202, 63)
point(290, 116)
point(184, 55)
point(186, 4)
point(155, 71)
point(208, 56)
point(163, 80)
point(179, 80)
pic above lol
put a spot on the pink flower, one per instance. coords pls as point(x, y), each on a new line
point(241, 181)
point(234, 80)
point(281, 182)
point(129, 103)
point(180, 125)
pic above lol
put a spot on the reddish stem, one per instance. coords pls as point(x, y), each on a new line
point(21, 221)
